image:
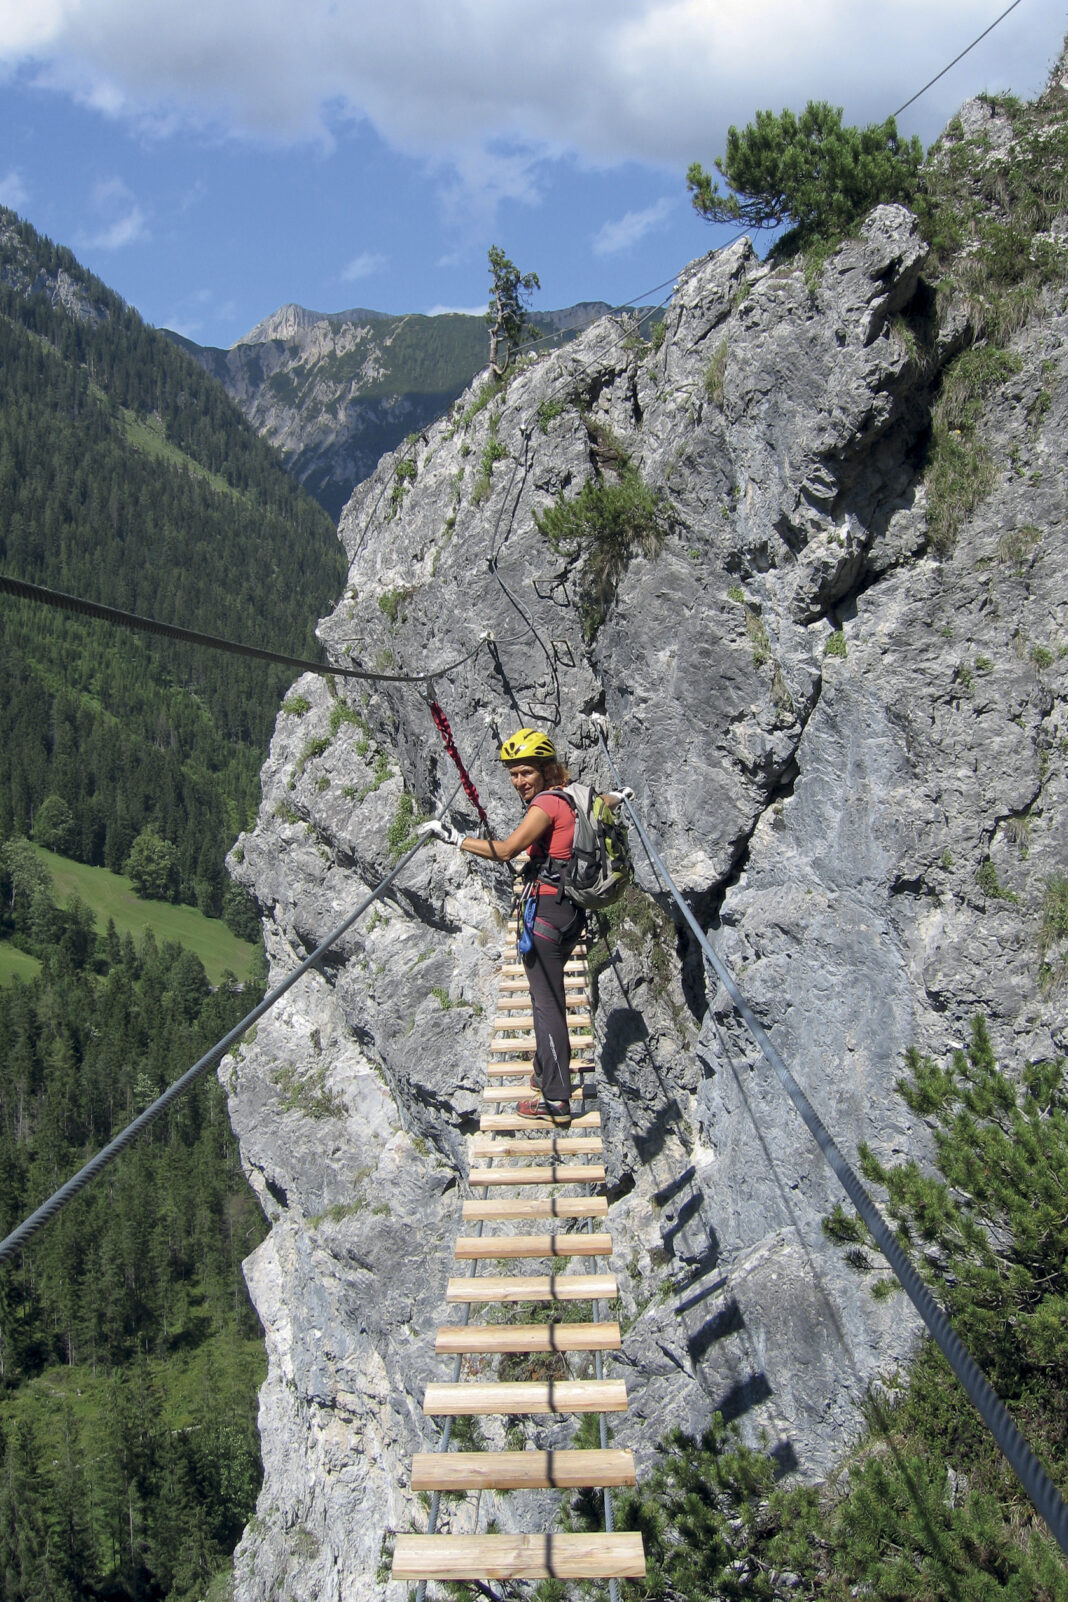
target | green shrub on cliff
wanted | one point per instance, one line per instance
(607, 523)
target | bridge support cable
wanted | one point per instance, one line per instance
(446, 1434)
(135, 623)
(1043, 1494)
(25, 1232)
(602, 1424)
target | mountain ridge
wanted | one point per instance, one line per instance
(333, 391)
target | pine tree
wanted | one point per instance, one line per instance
(809, 172)
(507, 314)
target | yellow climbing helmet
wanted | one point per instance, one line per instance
(527, 745)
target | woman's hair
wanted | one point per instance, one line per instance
(555, 773)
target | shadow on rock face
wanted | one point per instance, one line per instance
(628, 1063)
(741, 1397)
(727, 1320)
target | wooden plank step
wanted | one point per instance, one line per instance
(454, 1338)
(569, 1244)
(510, 1047)
(514, 986)
(515, 970)
(521, 1065)
(537, 1207)
(506, 1023)
(556, 1146)
(519, 1471)
(520, 1000)
(518, 1557)
(498, 1093)
(544, 1174)
(526, 1396)
(578, 948)
(512, 1120)
(532, 1288)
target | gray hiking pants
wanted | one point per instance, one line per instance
(558, 927)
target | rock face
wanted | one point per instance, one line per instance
(335, 391)
(58, 277)
(852, 754)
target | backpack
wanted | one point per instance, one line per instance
(599, 867)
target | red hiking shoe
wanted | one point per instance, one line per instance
(558, 1111)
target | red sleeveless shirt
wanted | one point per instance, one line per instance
(555, 844)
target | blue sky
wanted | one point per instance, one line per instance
(215, 160)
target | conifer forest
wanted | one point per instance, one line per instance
(129, 1353)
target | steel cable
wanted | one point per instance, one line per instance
(1043, 1494)
(171, 631)
(19, 1237)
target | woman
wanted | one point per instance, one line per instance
(545, 834)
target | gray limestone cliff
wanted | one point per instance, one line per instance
(851, 749)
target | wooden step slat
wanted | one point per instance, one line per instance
(574, 968)
(498, 1093)
(508, 987)
(560, 1145)
(512, 1122)
(521, 1065)
(454, 1338)
(532, 1288)
(544, 1174)
(525, 1020)
(519, 1000)
(572, 1244)
(526, 1396)
(537, 1207)
(518, 1557)
(510, 1047)
(519, 1471)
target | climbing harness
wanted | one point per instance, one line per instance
(1044, 1496)
(442, 724)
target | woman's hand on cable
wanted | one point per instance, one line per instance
(614, 797)
(444, 831)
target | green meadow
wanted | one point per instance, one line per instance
(111, 895)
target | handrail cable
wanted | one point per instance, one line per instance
(148, 625)
(1044, 1495)
(961, 57)
(47, 1211)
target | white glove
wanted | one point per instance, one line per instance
(614, 797)
(444, 831)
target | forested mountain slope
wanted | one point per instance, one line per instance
(129, 1353)
(335, 391)
(128, 477)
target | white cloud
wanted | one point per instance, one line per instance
(458, 311)
(13, 191)
(125, 230)
(120, 220)
(631, 228)
(365, 265)
(654, 81)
